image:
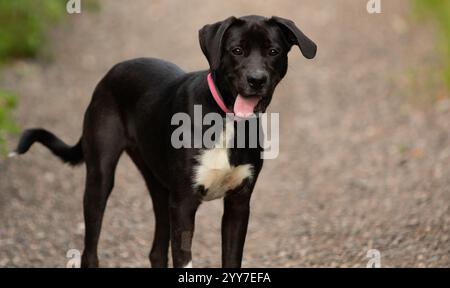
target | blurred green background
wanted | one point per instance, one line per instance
(23, 28)
(438, 11)
(23, 25)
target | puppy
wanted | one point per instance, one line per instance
(132, 111)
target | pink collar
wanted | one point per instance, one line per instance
(216, 95)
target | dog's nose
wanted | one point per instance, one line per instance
(257, 79)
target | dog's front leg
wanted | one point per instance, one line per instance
(234, 228)
(182, 222)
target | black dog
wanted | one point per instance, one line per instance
(131, 111)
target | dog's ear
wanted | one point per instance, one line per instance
(210, 37)
(296, 37)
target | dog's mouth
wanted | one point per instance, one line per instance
(247, 106)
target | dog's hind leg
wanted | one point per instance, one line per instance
(160, 199)
(103, 143)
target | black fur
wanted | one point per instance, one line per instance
(72, 155)
(131, 111)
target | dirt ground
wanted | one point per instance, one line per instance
(360, 167)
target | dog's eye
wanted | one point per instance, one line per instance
(273, 52)
(237, 51)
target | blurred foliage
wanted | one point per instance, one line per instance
(22, 34)
(8, 102)
(23, 26)
(439, 12)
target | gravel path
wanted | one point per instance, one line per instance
(361, 166)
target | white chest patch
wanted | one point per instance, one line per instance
(214, 171)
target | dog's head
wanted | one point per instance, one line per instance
(250, 55)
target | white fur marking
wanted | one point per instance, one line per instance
(12, 154)
(214, 171)
(189, 265)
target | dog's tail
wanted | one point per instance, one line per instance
(72, 155)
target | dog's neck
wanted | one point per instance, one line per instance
(224, 89)
(216, 95)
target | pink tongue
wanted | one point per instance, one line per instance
(244, 107)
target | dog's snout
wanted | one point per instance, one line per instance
(257, 79)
